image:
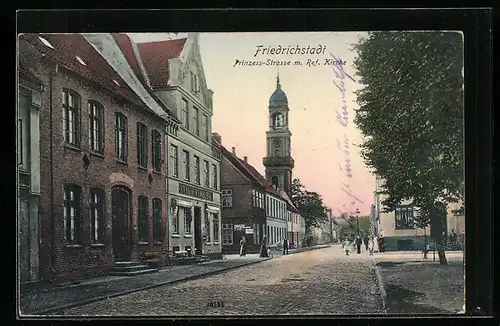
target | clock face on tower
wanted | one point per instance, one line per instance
(277, 142)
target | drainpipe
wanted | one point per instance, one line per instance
(167, 204)
(52, 72)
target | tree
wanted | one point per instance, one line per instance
(309, 204)
(411, 115)
(351, 225)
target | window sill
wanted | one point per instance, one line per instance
(97, 245)
(158, 243)
(188, 235)
(121, 162)
(142, 168)
(97, 154)
(72, 148)
(157, 172)
(215, 243)
(74, 246)
(208, 243)
(143, 243)
(176, 235)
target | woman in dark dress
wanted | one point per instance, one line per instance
(263, 248)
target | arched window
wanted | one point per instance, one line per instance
(71, 117)
(121, 136)
(72, 213)
(278, 121)
(274, 181)
(96, 127)
(156, 149)
(142, 145)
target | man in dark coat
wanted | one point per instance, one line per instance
(358, 244)
(285, 246)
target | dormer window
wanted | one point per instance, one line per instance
(81, 61)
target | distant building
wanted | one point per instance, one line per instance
(251, 207)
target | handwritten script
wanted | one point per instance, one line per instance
(339, 80)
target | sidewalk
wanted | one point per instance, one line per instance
(416, 285)
(51, 299)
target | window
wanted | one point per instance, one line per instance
(404, 217)
(121, 136)
(187, 220)
(157, 212)
(197, 170)
(196, 121)
(97, 215)
(156, 150)
(185, 162)
(71, 116)
(261, 200)
(204, 126)
(207, 227)
(96, 127)
(216, 228)
(254, 200)
(142, 145)
(142, 218)
(227, 234)
(214, 176)
(184, 114)
(194, 83)
(227, 198)
(207, 174)
(72, 218)
(174, 161)
(175, 221)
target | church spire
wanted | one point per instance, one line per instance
(278, 86)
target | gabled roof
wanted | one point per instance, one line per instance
(126, 45)
(70, 50)
(284, 195)
(250, 172)
(155, 56)
(29, 75)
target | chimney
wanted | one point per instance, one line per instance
(245, 159)
(233, 150)
(217, 137)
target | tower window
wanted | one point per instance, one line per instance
(277, 121)
(274, 181)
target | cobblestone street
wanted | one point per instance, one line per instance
(320, 282)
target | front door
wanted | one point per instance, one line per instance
(120, 211)
(198, 236)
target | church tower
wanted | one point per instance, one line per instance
(279, 162)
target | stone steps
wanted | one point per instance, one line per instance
(128, 268)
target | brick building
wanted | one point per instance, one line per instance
(102, 172)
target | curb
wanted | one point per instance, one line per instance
(113, 295)
(383, 294)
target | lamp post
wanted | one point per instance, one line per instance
(357, 221)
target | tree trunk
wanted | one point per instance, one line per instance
(441, 250)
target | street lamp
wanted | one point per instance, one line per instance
(357, 221)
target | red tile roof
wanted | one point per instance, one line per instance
(250, 172)
(66, 47)
(155, 56)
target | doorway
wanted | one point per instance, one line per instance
(198, 240)
(120, 215)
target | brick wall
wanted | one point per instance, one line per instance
(103, 172)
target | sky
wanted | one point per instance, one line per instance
(241, 100)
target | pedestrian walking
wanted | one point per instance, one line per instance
(370, 245)
(285, 246)
(347, 246)
(269, 252)
(375, 244)
(365, 240)
(243, 243)
(381, 244)
(358, 244)
(264, 250)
